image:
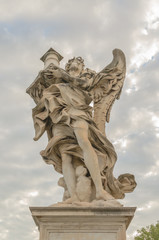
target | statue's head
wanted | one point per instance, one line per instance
(75, 65)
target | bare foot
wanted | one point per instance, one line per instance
(72, 199)
(103, 195)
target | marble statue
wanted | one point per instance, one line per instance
(78, 147)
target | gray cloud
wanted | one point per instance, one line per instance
(91, 29)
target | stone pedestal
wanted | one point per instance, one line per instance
(82, 223)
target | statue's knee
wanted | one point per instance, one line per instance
(66, 159)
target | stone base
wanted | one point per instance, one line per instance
(82, 223)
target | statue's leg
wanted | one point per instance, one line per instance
(69, 176)
(67, 166)
(90, 158)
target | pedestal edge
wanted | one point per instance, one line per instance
(50, 213)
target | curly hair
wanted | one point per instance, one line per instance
(80, 60)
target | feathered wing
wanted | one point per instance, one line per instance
(107, 88)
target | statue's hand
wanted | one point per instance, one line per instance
(57, 73)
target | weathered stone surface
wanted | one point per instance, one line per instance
(77, 146)
(82, 223)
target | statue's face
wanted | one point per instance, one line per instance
(76, 65)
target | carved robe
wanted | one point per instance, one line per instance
(61, 105)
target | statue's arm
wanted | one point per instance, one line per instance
(74, 81)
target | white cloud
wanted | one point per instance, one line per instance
(152, 17)
(155, 120)
(90, 29)
(144, 53)
(23, 202)
(33, 194)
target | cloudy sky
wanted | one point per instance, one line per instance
(91, 29)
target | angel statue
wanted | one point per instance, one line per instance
(77, 144)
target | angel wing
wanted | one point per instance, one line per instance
(107, 88)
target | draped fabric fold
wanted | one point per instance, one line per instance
(60, 107)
